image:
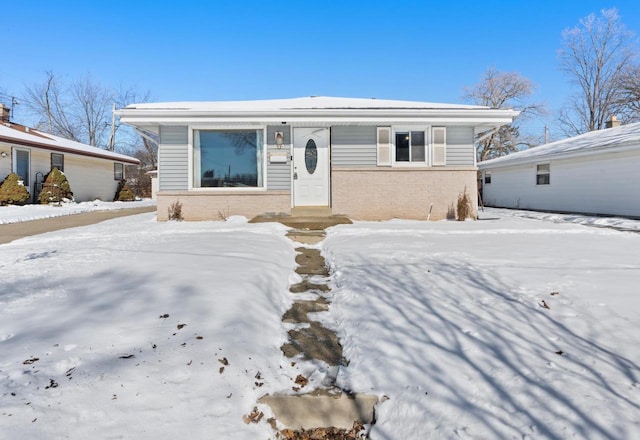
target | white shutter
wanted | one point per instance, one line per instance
(384, 146)
(439, 136)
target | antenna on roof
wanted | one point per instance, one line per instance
(14, 102)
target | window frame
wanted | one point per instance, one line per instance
(117, 165)
(487, 178)
(544, 174)
(402, 129)
(61, 167)
(208, 127)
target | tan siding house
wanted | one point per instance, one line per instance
(93, 173)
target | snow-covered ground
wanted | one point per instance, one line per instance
(16, 214)
(446, 319)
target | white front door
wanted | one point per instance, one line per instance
(311, 167)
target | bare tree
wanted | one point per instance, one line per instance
(629, 85)
(594, 56)
(503, 90)
(81, 111)
(48, 100)
(142, 145)
(91, 110)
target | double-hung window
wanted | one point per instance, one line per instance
(228, 158)
(543, 174)
(487, 177)
(57, 161)
(118, 171)
(410, 146)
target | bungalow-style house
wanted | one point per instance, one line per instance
(93, 173)
(594, 173)
(368, 159)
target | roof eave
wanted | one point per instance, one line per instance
(477, 117)
(629, 146)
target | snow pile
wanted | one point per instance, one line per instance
(137, 329)
(16, 214)
(504, 328)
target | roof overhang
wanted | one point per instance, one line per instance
(481, 118)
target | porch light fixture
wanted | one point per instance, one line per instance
(279, 139)
(3, 154)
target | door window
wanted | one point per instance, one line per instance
(311, 156)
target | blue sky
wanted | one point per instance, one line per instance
(232, 50)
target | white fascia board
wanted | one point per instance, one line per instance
(543, 158)
(486, 114)
(484, 121)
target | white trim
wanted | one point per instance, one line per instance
(223, 127)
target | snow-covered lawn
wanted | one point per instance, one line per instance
(449, 321)
(16, 214)
(446, 319)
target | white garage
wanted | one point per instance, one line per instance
(594, 173)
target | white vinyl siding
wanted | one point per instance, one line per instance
(353, 146)
(439, 146)
(173, 158)
(600, 184)
(384, 146)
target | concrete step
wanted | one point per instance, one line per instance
(306, 236)
(321, 409)
(304, 222)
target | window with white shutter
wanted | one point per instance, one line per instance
(384, 146)
(439, 146)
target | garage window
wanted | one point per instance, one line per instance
(543, 174)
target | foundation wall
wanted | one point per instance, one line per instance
(375, 194)
(220, 205)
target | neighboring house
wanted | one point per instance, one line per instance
(594, 173)
(366, 158)
(93, 173)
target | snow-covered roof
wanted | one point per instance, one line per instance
(19, 135)
(322, 110)
(594, 142)
(303, 103)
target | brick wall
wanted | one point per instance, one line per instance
(218, 205)
(375, 194)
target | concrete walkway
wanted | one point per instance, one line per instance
(14, 231)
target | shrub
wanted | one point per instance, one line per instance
(55, 188)
(13, 191)
(124, 193)
(175, 211)
(464, 209)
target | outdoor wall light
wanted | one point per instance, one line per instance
(3, 154)
(279, 139)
